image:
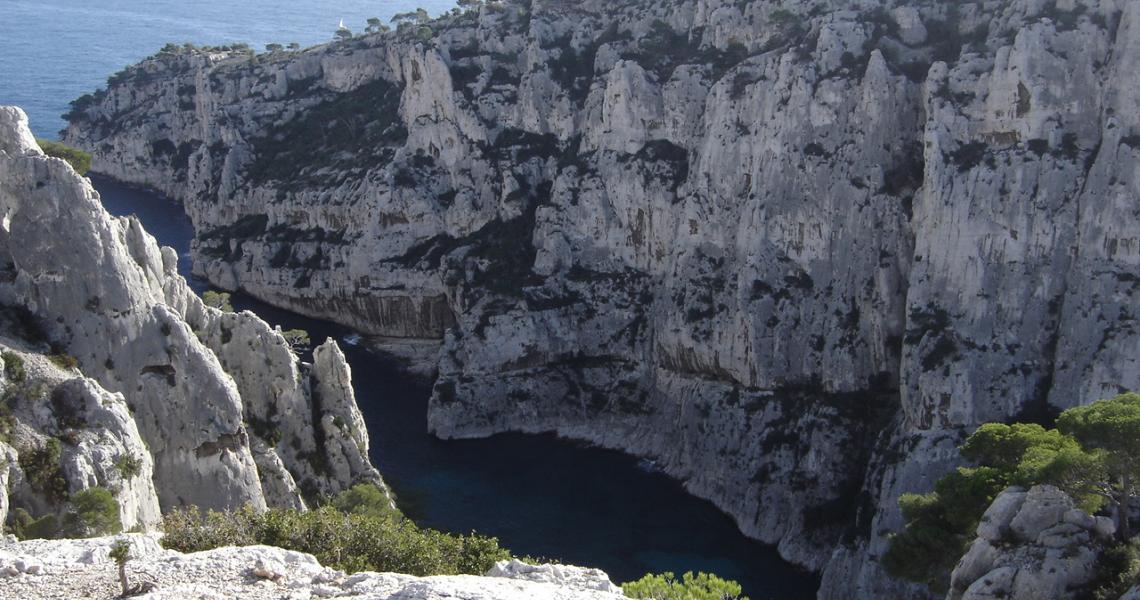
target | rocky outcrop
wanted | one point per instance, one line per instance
(1031, 544)
(101, 444)
(215, 408)
(81, 568)
(792, 253)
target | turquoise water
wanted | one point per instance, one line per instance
(53, 51)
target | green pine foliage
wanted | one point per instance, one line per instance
(128, 465)
(364, 499)
(700, 586)
(297, 339)
(94, 512)
(14, 367)
(218, 300)
(1093, 455)
(78, 159)
(358, 531)
(44, 470)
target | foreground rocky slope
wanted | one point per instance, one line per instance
(81, 568)
(790, 251)
(147, 392)
(1031, 544)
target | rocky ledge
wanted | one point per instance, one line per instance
(39, 569)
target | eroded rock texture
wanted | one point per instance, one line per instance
(792, 251)
(1031, 544)
(216, 408)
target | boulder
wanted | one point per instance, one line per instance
(1044, 507)
(996, 584)
(562, 575)
(995, 522)
(1050, 550)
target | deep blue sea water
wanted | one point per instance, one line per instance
(541, 496)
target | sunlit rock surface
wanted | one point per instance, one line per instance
(791, 252)
(216, 408)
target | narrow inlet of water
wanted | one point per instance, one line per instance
(540, 495)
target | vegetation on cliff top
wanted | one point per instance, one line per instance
(701, 586)
(357, 531)
(218, 300)
(78, 159)
(1093, 455)
(92, 512)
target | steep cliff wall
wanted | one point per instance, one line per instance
(224, 414)
(791, 251)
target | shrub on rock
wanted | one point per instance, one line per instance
(701, 586)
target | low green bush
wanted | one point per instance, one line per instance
(218, 300)
(364, 499)
(64, 361)
(14, 367)
(94, 512)
(297, 339)
(1117, 570)
(363, 541)
(129, 466)
(7, 423)
(43, 469)
(78, 159)
(25, 527)
(701, 586)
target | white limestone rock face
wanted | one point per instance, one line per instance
(342, 427)
(15, 139)
(562, 575)
(8, 458)
(108, 445)
(290, 406)
(1049, 549)
(195, 380)
(69, 568)
(995, 522)
(792, 253)
(100, 447)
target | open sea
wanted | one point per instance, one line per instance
(540, 495)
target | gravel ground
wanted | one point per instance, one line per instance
(82, 569)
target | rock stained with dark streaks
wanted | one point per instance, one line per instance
(792, 253)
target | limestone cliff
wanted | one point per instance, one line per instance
(210, 409)
(792, 251)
